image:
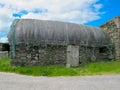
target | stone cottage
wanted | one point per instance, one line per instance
(42, 42)
(112, 27)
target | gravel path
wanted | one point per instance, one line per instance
(10, 81)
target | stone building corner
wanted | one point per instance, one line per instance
(112, 27)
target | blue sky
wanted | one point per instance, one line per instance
(87, 12)
(111, 9)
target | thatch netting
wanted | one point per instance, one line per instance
(54, 32)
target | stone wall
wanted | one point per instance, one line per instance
(93, 54)
(112, 27)
(33, 55)
(80, 55)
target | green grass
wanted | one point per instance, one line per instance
(98, 68)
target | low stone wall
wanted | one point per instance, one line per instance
(3, 54)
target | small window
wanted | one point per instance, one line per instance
(102, 50)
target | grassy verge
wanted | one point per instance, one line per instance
(98, 68)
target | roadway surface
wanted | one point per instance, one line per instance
(10, 81)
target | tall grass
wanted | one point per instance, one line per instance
(98, 68)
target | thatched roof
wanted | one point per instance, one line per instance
(54, 32)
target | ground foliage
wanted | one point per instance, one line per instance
(97, 68)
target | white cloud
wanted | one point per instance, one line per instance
(5, 19)
(77, 11)
(71, 10)
(3, 40)
(57, 9)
